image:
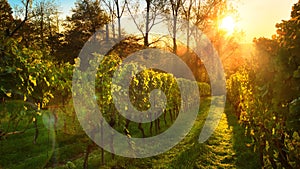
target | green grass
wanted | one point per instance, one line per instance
(19, 151)
(226, 148)
(245, 157)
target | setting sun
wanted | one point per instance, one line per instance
(228, 24)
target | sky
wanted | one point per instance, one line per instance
(257, 18)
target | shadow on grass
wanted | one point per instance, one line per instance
(245, 157)
(226, 148)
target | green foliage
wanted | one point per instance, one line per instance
(28, 76)
(33, 76)
(87, 18)
(266, 96)
(204, 89)
(140, 88)
(5, 17)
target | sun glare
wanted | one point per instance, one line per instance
(228, 24)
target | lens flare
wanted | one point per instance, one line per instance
(228, 24)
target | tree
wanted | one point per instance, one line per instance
(28, 78)
(45, 21)
(153, 16)
(175, 8)
(118, 13)
(289, 40)
(186, 12)
(26, 14)
(6, 18)
(87, 18)
(200, 14)
(111, 11)
(288, 65)
(266, 95)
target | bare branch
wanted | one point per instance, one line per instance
(24, 20)
(135, 22)
(123, 8)
(159, 39)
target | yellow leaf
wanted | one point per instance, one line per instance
(39, 106)
(48, 84)
(19, 39)
(32, 80)
(8, 94)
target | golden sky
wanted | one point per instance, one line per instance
(259, 17)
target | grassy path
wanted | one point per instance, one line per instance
(217, 152)
(226, 148)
